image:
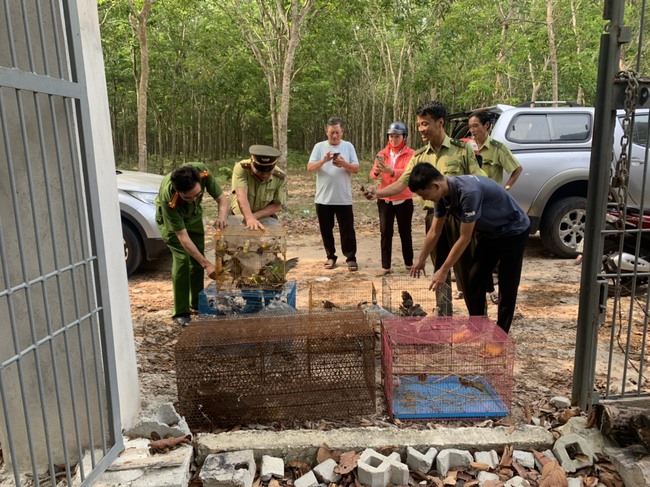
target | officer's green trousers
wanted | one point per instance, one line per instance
(187, 273)
(439, 254)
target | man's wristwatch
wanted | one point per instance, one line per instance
(507, 187)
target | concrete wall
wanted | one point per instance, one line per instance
(58, 376)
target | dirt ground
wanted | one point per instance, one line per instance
(544, 328)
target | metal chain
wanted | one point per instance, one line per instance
(622, 169)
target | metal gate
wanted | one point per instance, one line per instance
(611, 352)
(59, 413)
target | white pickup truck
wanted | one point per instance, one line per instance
(553, 145)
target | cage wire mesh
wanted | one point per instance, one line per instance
(251, 258)
(446, 367)
(273, 367)
(410, 296)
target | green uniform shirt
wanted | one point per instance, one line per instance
(497, 159)
(260, 193)
(455, 158)
(173, 214)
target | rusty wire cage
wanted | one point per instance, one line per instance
(409, 296)
(301, 366)
(446, 367)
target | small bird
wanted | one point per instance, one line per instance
(407, 299)
(417, 311)
(465, 382)
(329, 305)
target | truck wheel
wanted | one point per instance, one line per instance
(132, 249)
(563, 226)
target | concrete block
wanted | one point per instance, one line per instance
(524, 458)
(578, 444)
(420, 462)
(484, 477)
(307, 480)
(232, 469)
(488, 457)
(546, 453)
(574, 482)
(377, 470)
(561, 402)
(517, 482)
(450, 458)
(632, 463)
(271, 467)
(165, 422)
(594, 437)
(325, 471)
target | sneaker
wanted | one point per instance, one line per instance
(182, 320)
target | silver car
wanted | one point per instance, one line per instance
(553, 145)
(142, 239)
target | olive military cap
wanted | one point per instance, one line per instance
(264, 157)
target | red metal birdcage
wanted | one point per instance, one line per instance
(446, 367)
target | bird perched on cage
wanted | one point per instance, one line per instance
(329, 305)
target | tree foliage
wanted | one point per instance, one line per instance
(367, 61)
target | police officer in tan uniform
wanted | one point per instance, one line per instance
(259, 187)
(452, 158)
(179, 217)
(496, 157)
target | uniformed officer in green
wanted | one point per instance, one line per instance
(180, 220)
(496, 156)
(452, 158)
(259, 187)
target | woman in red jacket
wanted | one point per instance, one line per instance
(389, 166)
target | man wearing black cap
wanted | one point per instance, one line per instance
(260, 187)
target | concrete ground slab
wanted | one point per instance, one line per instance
(136, 467)
(303, 444)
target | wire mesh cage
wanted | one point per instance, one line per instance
(409, 296)
(251, 258)
(275, 368)
(446, 367)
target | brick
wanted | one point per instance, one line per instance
(325, 471)
(377, 470)
(488, 457)
(271, 467)
(450, 458)
(420, 462)
(232, 469)
(577, 443)
(547, 454)
(524, 458)
(307, 480)
(484, 477)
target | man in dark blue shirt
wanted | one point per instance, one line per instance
(501, 227)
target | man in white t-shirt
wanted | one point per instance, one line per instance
(334, 161)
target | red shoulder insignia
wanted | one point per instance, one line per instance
(204, 174)
(174, 201)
